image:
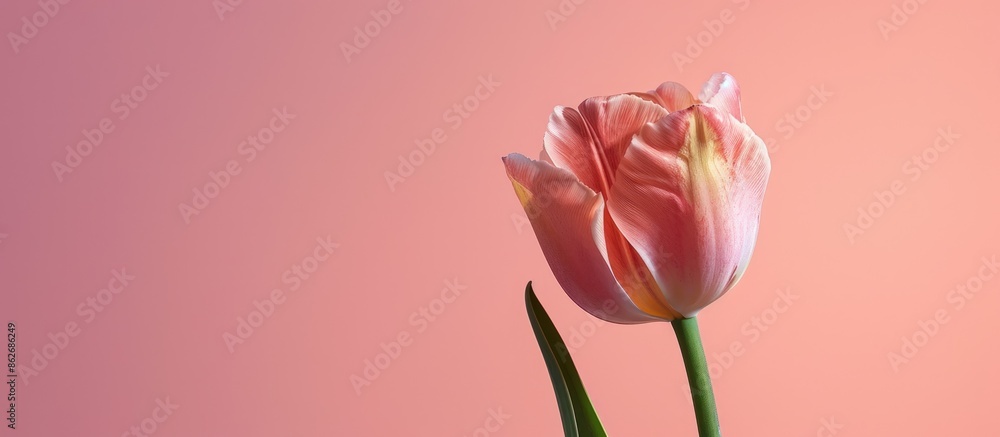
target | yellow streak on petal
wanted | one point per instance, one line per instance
(706, 161)
(641, 287)
(522, 193)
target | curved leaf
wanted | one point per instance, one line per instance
(578, 415)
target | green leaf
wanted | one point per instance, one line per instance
(578, 415)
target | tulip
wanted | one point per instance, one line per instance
(650, 201)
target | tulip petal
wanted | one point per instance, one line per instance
(568, 220)
(632, 273)
(723, 92)
(590, 142)
(674, 96)
(688, 198)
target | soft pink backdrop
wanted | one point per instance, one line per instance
(825, 358)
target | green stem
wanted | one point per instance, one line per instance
(698, 377)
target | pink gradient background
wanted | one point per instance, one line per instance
(324, 175)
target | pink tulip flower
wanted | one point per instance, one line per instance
(650, 201)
